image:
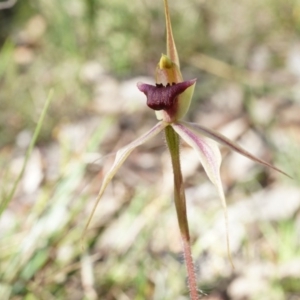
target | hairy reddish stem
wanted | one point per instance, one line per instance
(190, 268)
(173, 143)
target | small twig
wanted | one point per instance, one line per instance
(7, 4)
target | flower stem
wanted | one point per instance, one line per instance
(173, 143)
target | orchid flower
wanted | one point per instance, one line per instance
(170, 98)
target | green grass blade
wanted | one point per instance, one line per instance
(37, 130)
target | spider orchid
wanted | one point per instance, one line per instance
(170, 98)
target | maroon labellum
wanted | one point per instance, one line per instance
(161, 97)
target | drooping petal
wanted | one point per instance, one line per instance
(121, 156)
(227, 142)
(210, 158)
(207, 150)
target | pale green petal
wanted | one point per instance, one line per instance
(184, 101)
(227, 142)
(210, 158)
(121, 156)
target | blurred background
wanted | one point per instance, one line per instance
(246, 56)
